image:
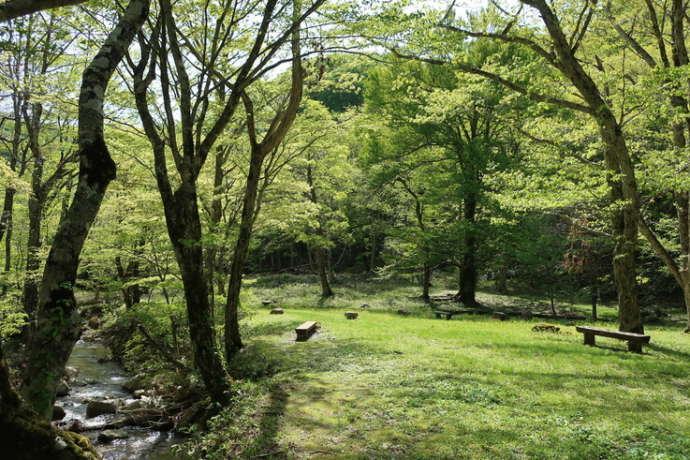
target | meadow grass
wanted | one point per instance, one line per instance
(416, 387)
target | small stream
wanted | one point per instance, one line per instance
(101, 380)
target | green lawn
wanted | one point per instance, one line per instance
(387, 386)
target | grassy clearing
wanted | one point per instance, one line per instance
(386, 386)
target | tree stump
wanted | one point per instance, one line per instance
(546, 327)
(277, 311)
(351, 314)
(404, 312)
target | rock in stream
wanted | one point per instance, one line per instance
(102, 386)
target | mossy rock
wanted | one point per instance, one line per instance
(166, 382)
(79, 445)
(138, 382)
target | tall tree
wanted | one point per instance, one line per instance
(58, 323)
(660, 45)
(558, 45)
(260, 148)
(445, 133)
(191, 115)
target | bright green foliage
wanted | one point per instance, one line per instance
(441, 135)
(325, 173)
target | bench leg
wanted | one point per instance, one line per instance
(438, 316)
(449, 317)
(589, 338)
(635, 347)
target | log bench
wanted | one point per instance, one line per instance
(446, 314)
(634, 340)
(305, 330)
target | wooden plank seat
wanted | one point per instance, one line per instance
(305, 330)
(634, 340)
(445, 313)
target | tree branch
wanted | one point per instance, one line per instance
(15, 8)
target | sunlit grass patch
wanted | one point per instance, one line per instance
(391, 386)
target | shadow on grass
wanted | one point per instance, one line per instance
(270, 328)
(265, 444)
(668, 351)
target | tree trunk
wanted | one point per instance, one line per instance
(275, 134)
(215, 216)
(426, 282)
(373, 238)
(7, 207)
(595, 300)
(621, 172)
(624, 222)
(233, 340)
(30, 294)
(26, 436)
(468, 269)
(58, 324)
(184, 229)
(320, 256)
(130, 294)
(8, 242)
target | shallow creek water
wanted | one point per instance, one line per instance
(102, 381)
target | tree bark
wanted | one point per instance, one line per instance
(184, 229)
(7, 208)
(33, 246)
(468, 269)
(233, 340)
(686, 297)
(24, 435)
(12, 9)
(426, 282)
(130, 294)
(7, 216)
(321, 258)
(58, 324)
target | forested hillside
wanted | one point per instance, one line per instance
(443, 199)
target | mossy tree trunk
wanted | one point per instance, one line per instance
(58, 323)
(24, 435)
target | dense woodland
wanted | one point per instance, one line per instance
(172, 170)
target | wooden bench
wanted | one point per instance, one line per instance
(447, 314)
(305, 330)
(634, 340)
(351, 314)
